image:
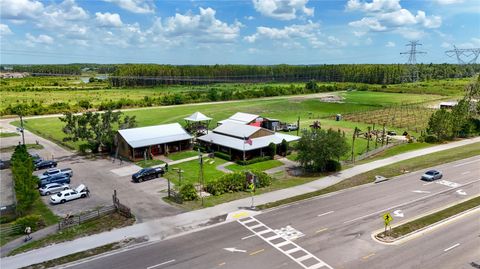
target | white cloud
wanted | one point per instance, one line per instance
(40, 39)
(473, 43)
(249, 18)
(57, 16)
(448, 2)
(202, 27)
(374, 6)
(108, 19)
(409, 33)
(288, 32)
(5, 30)
(135, 6)
(390, 44)
(283, 9)
(446, 45)
(384, 15)
(20, 10)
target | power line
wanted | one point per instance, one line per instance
(412, 70)
(460, 54)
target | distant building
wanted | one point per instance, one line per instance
(241, 140)
(254, 120)
(138, 143)
(448, 105)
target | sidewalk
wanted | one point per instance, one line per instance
(20, 241)
(161, 228)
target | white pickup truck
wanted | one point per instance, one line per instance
(55, 171)
(68, 195)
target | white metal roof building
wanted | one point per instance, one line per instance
(240, 118)
(240, 145)
(159, 139)
(197, 116)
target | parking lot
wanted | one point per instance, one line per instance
(101, 176)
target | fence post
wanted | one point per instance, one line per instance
(79, 220)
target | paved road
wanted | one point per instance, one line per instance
(333, 231)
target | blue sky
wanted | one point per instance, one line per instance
(234, 31)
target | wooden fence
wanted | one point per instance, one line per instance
(11, 229)
(76, 220)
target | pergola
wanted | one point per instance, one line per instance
(197, 123)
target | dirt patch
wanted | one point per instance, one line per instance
(332, 99)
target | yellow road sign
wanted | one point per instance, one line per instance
(387, 218)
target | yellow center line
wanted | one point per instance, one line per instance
(222, 264)
(321, 230)
(256, 252)
(368, 256)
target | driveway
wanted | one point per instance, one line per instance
(102, 176)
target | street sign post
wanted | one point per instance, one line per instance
(387, 218)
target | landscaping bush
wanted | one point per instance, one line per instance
(272, 150)
(431, 139)
(33, 221)
(333, 166)
(254, 160)
(222, 155)
(188, 192)
(236, 182)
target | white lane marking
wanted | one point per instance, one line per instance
(448, 183)
(398, 213)
(246, 237)
(418, 191)
(462, 164)
(454, 246)
(163, 263)
(234, 250)
(323, 214)
(466, 172)
(425, 184)
(461, 192)
(319, 263)
(406, 203)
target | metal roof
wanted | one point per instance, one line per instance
(154, 135)
(197, 116)
(236, 129)
(240, 117)
(239, 144)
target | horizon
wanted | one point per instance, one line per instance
(236, 32)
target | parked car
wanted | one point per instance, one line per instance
(68, 195)
(45, 164)
(55, 171)
(392, 133)
(4, 164)
(432, 175)
(290, 127)
(147, 173)
(52, 188)
(58, 178)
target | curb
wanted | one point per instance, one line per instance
(422, 230)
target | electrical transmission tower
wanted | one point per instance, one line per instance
(412, 72)
(471, 54)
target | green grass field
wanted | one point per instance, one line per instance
(261, 166)
(286, 109)
(192, 171)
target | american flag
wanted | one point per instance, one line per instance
(247, 140)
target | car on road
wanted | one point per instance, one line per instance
(45, 164)
(290, 127)
(52, 188)
(147, 173)
(58, 178)
(431, 175)
(56, 171)
(68, 195)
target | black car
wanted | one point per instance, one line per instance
(45, 164)
(147, 173)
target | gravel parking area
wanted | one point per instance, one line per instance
(6, 187)
(101, 177)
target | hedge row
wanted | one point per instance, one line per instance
(254, 160)
(236, 182)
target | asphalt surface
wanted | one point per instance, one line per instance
(332, 231)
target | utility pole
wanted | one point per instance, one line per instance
(368, 139)
(200, 160)
(298, 125)
(353, 144)
(412, 60)
(471, 54)
(22, 130)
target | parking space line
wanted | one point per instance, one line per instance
(256, 252)
(321, 230)
(452, 247)
(246, 237)
(296, 248)
(368, 256)
(329, 212)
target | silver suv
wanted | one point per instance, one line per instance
(53, 188)
(432, 175)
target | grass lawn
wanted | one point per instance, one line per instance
(105, 223)
(402, 148)
(3, 134)
(29, 146)
(425, 221)
(149, 163)
(182, 155)
(192, 171)
(389, 171)
(260, 166)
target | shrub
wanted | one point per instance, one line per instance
(188, 192)
(333, 166)
(263, 178)
(236, 182)
(222, 155)
(431, 139)
(254, 160)
(272, 150)
(33, 221)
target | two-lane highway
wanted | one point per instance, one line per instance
(333, 231)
